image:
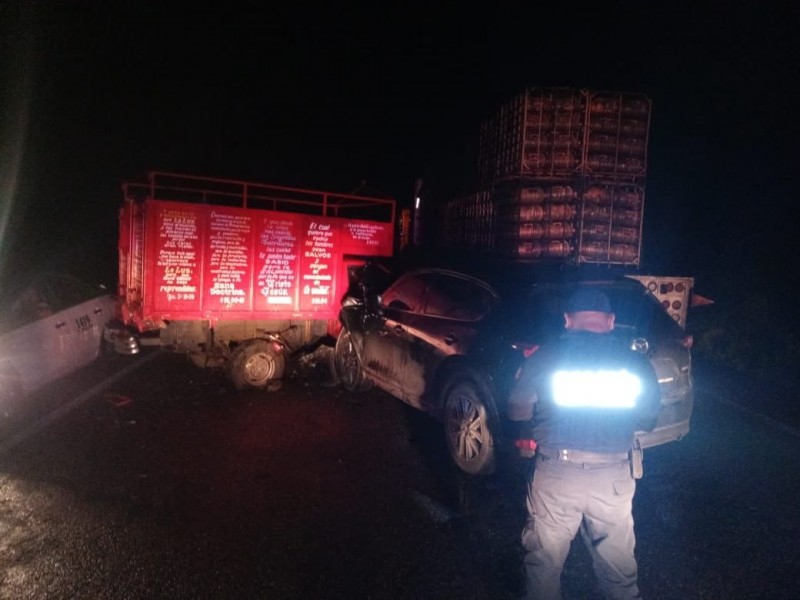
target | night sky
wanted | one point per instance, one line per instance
(94, 94)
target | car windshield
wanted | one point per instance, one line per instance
(641, 312)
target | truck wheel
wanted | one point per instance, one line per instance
(255, 364)
(468, 425)
(347, 365)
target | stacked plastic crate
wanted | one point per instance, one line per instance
(562, 178)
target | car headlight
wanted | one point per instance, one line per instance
(596, 389)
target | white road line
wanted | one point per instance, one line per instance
(72, 404)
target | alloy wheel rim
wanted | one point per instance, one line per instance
(465, 426)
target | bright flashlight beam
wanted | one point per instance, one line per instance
(596, 389)
(14, 126)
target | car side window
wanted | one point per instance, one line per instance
(407, 293)
(457, 297)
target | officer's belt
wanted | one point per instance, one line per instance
(582, 456)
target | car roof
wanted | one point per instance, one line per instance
(507, 278)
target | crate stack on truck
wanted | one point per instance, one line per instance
(562, 178)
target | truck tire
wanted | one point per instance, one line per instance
(256, 364)
(347, 365)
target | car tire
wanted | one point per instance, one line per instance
(256, 365)
(347, 364)
(469, 421)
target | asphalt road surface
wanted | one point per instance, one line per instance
(146, 477)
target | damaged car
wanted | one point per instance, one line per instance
(449, 343)
(50, 326)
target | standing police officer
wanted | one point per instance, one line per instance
(585, 395)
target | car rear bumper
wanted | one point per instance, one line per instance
(673, 422)
(663, 435)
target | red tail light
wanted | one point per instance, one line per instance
(525, 444)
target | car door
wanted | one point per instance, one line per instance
(66, 349)
(21, 350)
(86, 312)
(36, 350)
(445, 327)
(385, 342)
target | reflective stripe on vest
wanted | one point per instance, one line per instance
(596, 389)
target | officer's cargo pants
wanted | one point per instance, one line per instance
(598, 500)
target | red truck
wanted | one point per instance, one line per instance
(238, 274)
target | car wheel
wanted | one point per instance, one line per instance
(469, 423)
(256, 364)
(347, 364)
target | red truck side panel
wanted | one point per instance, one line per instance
(220, 262)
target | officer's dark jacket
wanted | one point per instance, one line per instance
(591, 429)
